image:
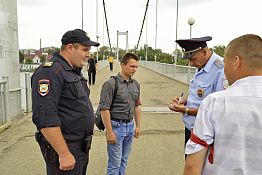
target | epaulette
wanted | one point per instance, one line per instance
(48, 64)
(219, 63)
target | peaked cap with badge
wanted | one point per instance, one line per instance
(78, 36)
(191, 46)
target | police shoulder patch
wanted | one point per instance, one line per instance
(219, 63)
(43, 87)
(48, 64)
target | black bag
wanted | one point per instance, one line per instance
(98, 119)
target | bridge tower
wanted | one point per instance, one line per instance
(117, 48)
(9, 59)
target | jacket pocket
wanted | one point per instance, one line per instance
(73, 88)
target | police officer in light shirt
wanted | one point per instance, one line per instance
(208, 78)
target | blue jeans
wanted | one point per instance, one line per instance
(118, 153)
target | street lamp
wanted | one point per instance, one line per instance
(82, 8)
(156, 29)
(97, 36)
(191, 21)
(175, 59)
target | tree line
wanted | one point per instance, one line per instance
(144, 53)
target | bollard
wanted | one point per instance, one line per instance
(28, 92)
(6, 100)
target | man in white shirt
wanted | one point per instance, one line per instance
(226, 137)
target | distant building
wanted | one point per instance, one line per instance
(36, 56)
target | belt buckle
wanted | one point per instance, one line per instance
(127, 120)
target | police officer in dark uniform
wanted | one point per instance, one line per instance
(92, 64)
(62, 111)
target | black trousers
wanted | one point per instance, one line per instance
(187, 136)
(111, 66)
(52, 163)
(91, 76)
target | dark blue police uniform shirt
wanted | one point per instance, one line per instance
(60, 97)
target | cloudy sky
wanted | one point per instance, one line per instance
(221, 19)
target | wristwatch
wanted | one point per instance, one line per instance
(186, 111)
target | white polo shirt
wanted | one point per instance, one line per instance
(232, 119)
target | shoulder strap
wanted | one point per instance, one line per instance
(115, 91)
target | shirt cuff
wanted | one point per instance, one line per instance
(104, 106)
(192, 147)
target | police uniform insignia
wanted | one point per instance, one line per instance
(219, 63)
(48, 64)
(200, 92)
(43, 87)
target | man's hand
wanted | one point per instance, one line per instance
(110, 137)
(66, 162)
(137, 132)
(177, 105)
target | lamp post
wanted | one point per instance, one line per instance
(97, 36)
(190, 21)
(156, 29)
(82, 13)
(175, 59)
(146, 45)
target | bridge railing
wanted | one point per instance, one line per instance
(4, 102)
(180, 73)
(102, 64)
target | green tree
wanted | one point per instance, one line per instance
(28, 61)
(42, 58)
(51, 51)
(220, 50)
(21, 57)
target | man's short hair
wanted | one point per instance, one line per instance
(248, 47)
(127, 57)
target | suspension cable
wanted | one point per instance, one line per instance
(142, 24)
(107, 28)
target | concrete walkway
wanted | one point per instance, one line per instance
(158, 151)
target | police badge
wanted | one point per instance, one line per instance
(43, 87)
(200, 92)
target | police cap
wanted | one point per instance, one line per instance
(78, 36)
(191, 46)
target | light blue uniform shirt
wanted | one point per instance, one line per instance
(209, 79)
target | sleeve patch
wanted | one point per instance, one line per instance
(43, 87)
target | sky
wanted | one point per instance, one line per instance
(224, 20)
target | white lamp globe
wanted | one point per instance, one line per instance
(191, 21)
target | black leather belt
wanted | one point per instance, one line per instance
(122, 120)
(74, 142)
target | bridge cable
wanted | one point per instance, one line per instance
(142, 24)
(107, 27)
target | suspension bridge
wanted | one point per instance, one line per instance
(159, 150)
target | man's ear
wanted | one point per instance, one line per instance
(70, 47)
(237, 63)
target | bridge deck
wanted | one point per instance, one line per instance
(159, 150)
